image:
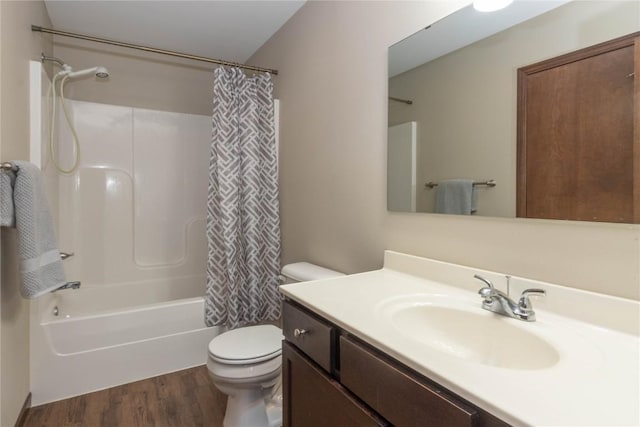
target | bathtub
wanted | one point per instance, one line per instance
(98, 337)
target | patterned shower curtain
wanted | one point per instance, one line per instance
(243, 224)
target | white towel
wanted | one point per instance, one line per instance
(7, 214)
(456, 196)
(40, 263)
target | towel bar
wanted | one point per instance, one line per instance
(8, 167)
(488, 183)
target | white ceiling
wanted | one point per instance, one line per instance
(460, 29)
(231, 30)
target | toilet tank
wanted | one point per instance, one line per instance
(305, 271)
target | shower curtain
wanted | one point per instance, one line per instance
(243, 223)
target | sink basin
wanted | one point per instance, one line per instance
(474, 335)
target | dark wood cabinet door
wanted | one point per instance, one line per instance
(576, 141)
(401, 398)
(313, 399)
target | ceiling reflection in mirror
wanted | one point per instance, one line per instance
(453, 98)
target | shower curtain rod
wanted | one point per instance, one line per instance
(404, 101)
(151, 49)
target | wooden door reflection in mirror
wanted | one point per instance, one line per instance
(572, 164)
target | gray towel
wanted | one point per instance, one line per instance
(40, 263)
(7, 215)
(456, 196)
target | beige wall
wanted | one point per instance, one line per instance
(137, 79)
(477, 85)
(18, 46)
(332, 58)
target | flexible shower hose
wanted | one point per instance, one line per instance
(76, 143)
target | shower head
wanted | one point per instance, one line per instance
(99, 72)
(102, 72)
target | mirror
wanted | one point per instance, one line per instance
(453, 95)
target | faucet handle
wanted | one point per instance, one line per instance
(487, 292)
(524, 302)
(482, 279)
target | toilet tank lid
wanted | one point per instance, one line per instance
(305, 271)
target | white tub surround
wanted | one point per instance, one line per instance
(133, 215)
(576, 365)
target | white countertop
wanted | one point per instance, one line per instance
(595, 382)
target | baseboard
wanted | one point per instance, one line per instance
(23, 412)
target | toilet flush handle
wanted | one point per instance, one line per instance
(299, 332)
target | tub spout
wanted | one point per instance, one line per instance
(68, 285)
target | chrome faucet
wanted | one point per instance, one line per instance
(68, 285)
(499, 302)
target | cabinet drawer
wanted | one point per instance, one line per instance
(311, 335)
(396, 395)
(313, 399)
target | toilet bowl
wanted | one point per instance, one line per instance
(245, 363)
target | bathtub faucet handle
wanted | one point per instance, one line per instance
(65, 255)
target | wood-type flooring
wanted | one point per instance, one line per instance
(181, 399)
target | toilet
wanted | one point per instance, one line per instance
(245, 363)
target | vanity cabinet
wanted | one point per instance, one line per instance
(313, 398)
(331, 378)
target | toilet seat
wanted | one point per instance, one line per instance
(248, 345)
(245, 374)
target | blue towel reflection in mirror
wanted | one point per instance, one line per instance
(456, 196)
